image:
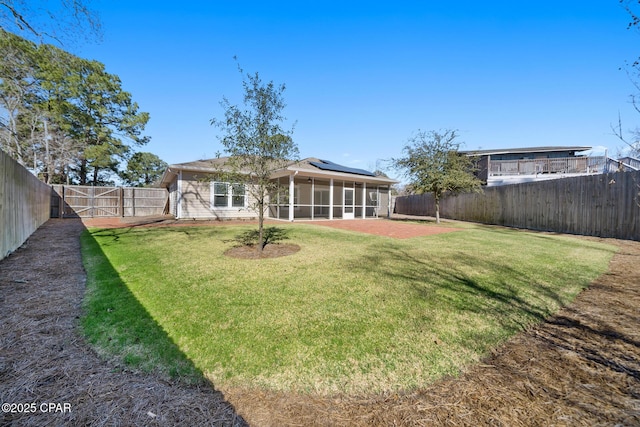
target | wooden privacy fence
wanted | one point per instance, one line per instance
(24, 204)
(72, 201)
(604, 205)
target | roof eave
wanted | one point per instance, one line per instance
(330, 174)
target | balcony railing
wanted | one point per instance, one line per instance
(572, 165)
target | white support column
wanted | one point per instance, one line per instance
(331, 198)
(179, 196)
(291, 196)
(313, 197)
(364, 200)
(278, 199)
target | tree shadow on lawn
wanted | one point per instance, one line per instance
(451, 285)
(503, 301)
(116, 233)
(270, 235)
(115, 322)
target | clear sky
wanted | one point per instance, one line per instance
(363, 76)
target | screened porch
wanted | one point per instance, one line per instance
(318, 198)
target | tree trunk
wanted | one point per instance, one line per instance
(260, 226)
(83, 172)
(437, 200)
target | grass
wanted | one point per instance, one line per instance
(349, 313)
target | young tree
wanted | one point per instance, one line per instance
(254, 139)
(143, 169)
(433, 165)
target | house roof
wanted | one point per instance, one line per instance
(317, 168)
(525, 150)
(311, 167)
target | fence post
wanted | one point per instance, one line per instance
(122, 202)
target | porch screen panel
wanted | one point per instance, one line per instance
(279, 200)
(372, 197)
(303, 192)
(358, 200)
(383, 200)
(338, 187)
(321, 199)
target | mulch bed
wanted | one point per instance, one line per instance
(580, 367)
(43, 358)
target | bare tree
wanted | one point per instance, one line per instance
(58, 19)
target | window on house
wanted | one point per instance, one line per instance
(237, 195)
(227, 195)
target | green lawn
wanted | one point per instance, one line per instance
(349, 312)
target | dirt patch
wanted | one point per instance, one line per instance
(580, 367)
(273, 250)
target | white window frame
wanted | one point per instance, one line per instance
(229, 194)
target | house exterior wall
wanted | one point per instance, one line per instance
(301, 195)
(192, 198)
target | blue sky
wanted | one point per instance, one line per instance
(362, 77)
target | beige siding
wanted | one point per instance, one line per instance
(195, 200)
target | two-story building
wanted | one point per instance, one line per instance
(515, 165)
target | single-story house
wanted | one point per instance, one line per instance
(321, 190)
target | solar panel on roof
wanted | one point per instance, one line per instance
(334, 167)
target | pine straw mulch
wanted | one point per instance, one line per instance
(580, 367)
(44, 359)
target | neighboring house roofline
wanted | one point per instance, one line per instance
(545, 149)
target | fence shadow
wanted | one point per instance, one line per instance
(115, 321)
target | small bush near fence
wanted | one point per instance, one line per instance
(603, 205)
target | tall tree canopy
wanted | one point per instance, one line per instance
(433, 165)
(254, 139)
(64, 117)
(143, 169)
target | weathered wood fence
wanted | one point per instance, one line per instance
(24, 204)
(72, 201)
(604, 205)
